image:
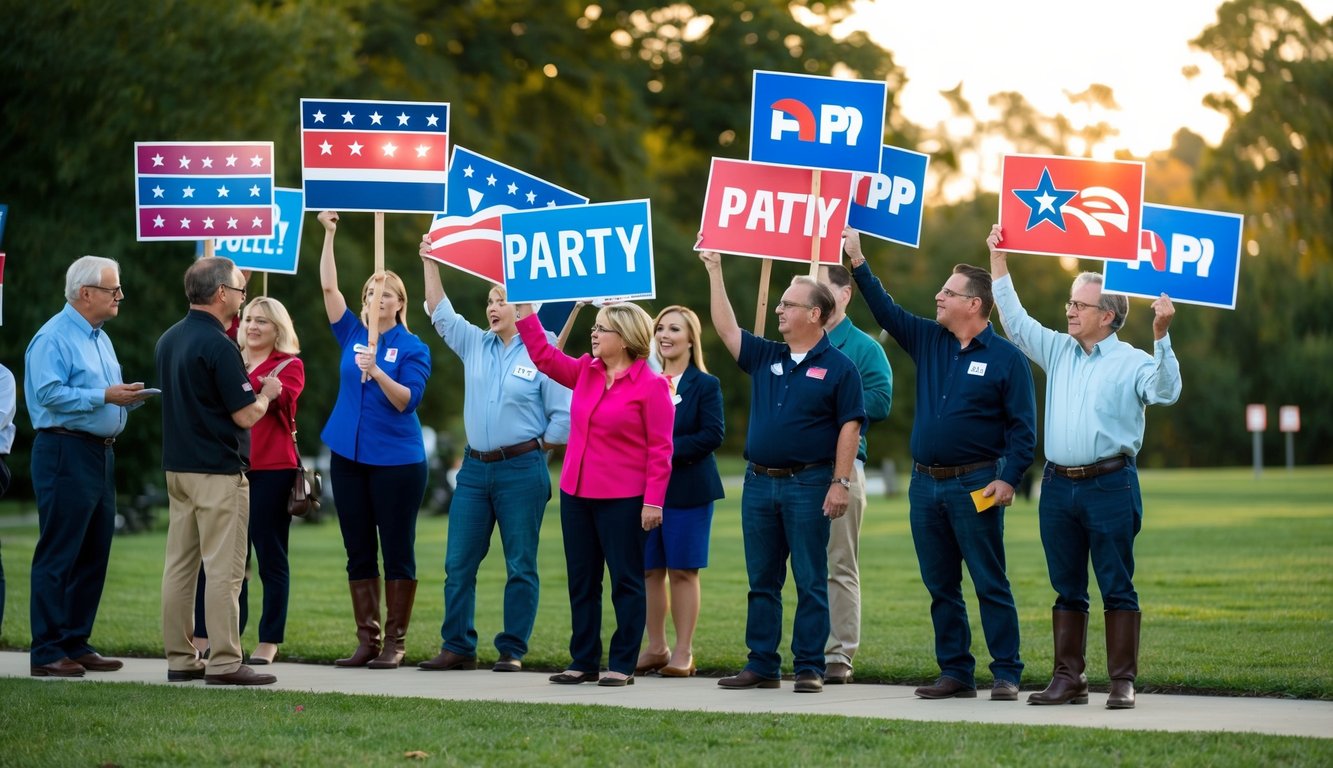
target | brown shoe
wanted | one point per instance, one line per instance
(1122, 656)
(507, 663)
(651, 662)
(947, 688)
(366, 609)
(1003, 690)
(447, 660)
(686, 671)
(399, 595)
(63, 667)
(1069, 685)
(837, 673)
(809, 682)
(96, 662)
(749, 679)
(242, 676)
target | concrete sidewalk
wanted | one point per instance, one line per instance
(1155, 712)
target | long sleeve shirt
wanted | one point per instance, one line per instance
(67, 369)
(873, 365)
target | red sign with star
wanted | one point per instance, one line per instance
(1069, 206)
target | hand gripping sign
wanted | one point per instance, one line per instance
(1193, 256)
(1068, 206)
(596, 251)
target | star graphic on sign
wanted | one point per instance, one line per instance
(157, 191)
(208, 223)
(223, 191)
(532, 197)
(231, 161)
(402, 118)
(490, 180)
(254, 191)
(157, 160)
(185, 162)
(258, 222)
(513, 188)
(187, 192)
(158, 221)
(231, 223)
(185, 223)
(319, 116)
(422, 149)
(208, 162)
(355, 147)
(326, 148)
(375, 118)
(467, 172)
(389, 149)
(347, 116)
(1045, 201)
(257, 161)
(432, 121)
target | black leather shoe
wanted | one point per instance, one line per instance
(947, 688)
(809, 682)
(63, 667)
(447, 660)
(184, 675)
(837, 673)
(1003, 690)
(242, 676)
(748, 679)
(96, 662)
(507, 663)
(573, 677)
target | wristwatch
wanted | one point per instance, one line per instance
(845, 482)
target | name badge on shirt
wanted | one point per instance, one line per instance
(391, 355)
(675, 399)
(776, 368)
(976, 369)
(816, 373)
(525, 373)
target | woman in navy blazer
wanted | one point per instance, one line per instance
(677, 549)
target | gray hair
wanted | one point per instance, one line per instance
(1117, 303)
(820, 295)
(86, 270)
(205, 276)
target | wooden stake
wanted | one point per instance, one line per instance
(376, 287)
(761, 303)
(208, 248)
(265, 285)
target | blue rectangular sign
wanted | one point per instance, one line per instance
(597, 251)
(4, 215)
(811, 121)
(269, 254)
(1193, 256)
(889, 204)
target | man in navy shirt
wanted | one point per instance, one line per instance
(972, 439)
(806, 418)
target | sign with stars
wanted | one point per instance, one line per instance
(1069, 206)
(201, 189)
(389, 156)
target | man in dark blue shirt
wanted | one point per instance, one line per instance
(973, 437)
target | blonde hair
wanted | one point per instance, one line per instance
(394, 284)
(281, 319)
(633, 325)
(693, 330)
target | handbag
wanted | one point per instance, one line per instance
(303, 498)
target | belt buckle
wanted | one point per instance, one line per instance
(1078, 473)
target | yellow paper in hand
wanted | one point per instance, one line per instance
(982, 503)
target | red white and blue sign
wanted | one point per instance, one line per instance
(770, 212)
(812, 121)
(596, 251)
(889, 204)
(1193, 256)
(277, 254)
(467, 236)
(389, 156)
(1068, 206)
(199, 189)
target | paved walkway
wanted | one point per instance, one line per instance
(1155, 712)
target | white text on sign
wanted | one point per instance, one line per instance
(567, 257)
(792, 115)
(895, 189)
(1184, 250)
(770, 215)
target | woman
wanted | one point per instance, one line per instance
(613, 482)
(378, 463)
(679, 548)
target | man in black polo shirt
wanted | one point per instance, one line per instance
(208, 407)
(973, 437)
(806, 419)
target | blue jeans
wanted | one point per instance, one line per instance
(1100, 517)
(513, 494)
(948, 531)
(783, 517)
(597, 533)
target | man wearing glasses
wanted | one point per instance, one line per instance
(208, 407)
(1097, 388)
(78, 405)
(973, 437)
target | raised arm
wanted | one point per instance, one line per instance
(431, 275)
(999, 260)
(724, 318)
(334, 303)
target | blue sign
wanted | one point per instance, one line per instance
(1190, 255)
(268, 254)
(4, 214)
(889, 204)
(817, 122)
(597, 251)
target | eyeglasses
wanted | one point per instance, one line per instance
(597, 328)
(116, 291)
(1079, 306)
(785, 305)
(242, 290)
(956, 295)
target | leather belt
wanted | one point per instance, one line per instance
(507, 452)
(948, 473)
(760, 469)
(81, 435)
(1087, 471)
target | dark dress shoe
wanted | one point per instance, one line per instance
(1003, 690)
(64, 667)
(507, 663)
(96, 662)
(574, 678)
(809, 682)
(947, 688)
(184, 675)
(749, 679)
(447, 660)
(837, 673)
(242, 676)
(615, 682)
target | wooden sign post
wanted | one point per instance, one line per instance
(376, 288)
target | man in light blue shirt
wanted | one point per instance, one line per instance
(1097, 388)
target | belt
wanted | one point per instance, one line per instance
(507, 452)
(1087, 471)
(76, 433)
(948, 473)
(760, 469)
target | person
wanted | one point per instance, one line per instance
(8, 406)
(378, 462)
(806, 418)
(78, 404)
(1097, 388)
(613, 482)
(511, 413)
(844, 578)
(678, 548)
(208, 407)
(973, 437)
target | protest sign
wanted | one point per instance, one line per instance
(813, 121)
(596, 251)
(889, 204)
(202, 190)
(278, 253)
(1067, 206)
(1191, 255)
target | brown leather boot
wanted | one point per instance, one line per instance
(1122, 656)
(366, 609)
(399, 594)
(1068, 683)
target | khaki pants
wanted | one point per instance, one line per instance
(844, 576)
(209, 523)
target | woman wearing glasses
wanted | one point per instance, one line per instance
(378, 463)
(613, 482)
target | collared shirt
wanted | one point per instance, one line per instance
(973, 404)
(797, 409)
(506, 400)
(67, 369)
(8, 405)
(873, 365)
(1094, 401)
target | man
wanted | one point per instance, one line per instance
(844, 580)
(973, 438)
(208, 407)
(78, 404)
(806, 418)
(1096, 390)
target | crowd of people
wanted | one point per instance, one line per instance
(639, 419)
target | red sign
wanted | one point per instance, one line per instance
(1256, 417)
(1066, 206)
(771, 211)
(1289, 418)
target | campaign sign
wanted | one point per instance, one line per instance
(202, 189)
(769, 211)
(4, 215)
(268, 254)
(1069, 206)
(1190, 255)
(889, 204)
(597, 251)
(812, 121)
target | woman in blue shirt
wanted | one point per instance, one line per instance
(378, 463)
